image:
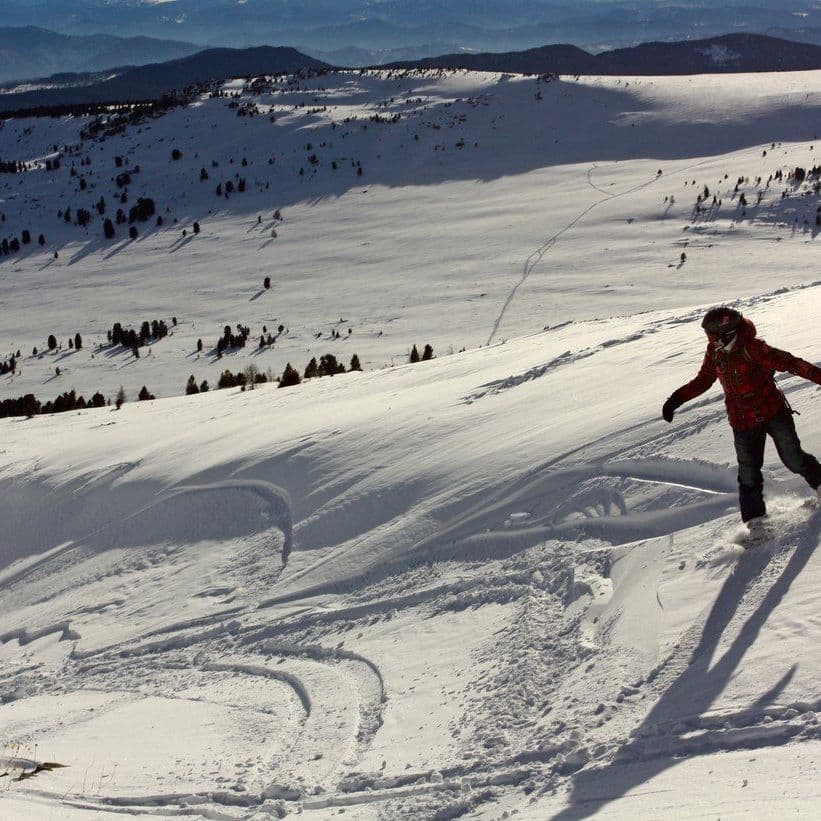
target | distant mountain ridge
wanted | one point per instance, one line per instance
(456, 25)
(730, 53)
(153, 81)
(31, 51)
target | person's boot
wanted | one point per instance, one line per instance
(758, 529)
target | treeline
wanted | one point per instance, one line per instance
(29, 405)
(328, 365)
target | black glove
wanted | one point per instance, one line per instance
(670, 407)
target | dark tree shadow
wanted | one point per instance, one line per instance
(181, 242)
(695, 690)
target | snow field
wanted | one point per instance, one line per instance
(551, 208)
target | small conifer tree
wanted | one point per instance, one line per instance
(120, 397)
(289, 377)
(414, 354)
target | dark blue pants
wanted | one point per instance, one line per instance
(749, 447)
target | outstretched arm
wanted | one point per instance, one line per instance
(779, 360)
(695, 387)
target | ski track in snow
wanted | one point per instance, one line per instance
(536, 256)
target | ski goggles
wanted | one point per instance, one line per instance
(723, 339)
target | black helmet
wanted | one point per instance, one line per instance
(721, 323)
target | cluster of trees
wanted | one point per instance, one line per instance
(229, 187)
(192, 387)
(232, 340)
(13, 167)
(329, 366)
(238, 379)
(251, 376)
(114, 118)
(801, 174)
(9, 365)
(29, 405)
(130, 338)
(51, 343)
(13, 245)
(427, 353)
(267, 338)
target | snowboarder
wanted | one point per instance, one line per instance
(745, 365)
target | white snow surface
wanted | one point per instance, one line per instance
(490, 585)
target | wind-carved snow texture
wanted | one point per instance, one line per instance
(341, 695)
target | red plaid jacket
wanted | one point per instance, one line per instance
(746, 374)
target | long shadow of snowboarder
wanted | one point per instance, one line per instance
(695, 689)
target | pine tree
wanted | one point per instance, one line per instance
(191, 386)
(78, 341)
(414, 354)
(289, 377)
(120, 397)
(427, 353)
(52, 342)
(312, 370)
(355, 366)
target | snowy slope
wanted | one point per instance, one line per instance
(553, 210)
(490, 585)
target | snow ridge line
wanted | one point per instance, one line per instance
(264, 672)
(278, 499)
(570, 357)
(474, 533)
(24, 636)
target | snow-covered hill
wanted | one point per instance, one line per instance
(494, 584)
